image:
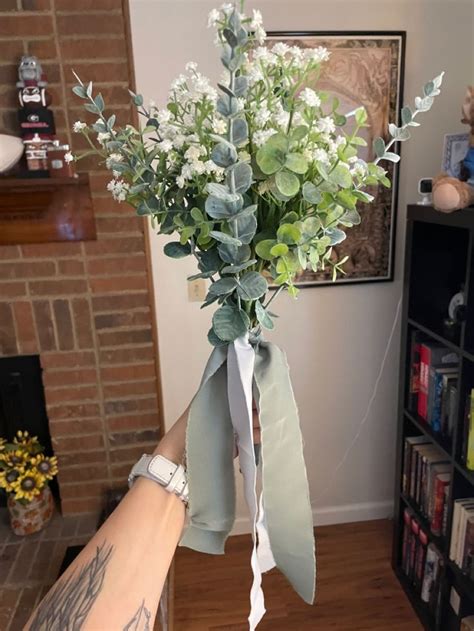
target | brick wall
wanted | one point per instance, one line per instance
(83, 307)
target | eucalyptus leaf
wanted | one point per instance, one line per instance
(391, 157)
(246, 227)
(264, 247)
(240, 86)
(379, 147)
(79, 90)
(263, 316)
(251, 286)
(336, 236)
(227, 105)
(223, 286)
(270, 160)
(229, 323)
(224, 155)
(230, 37)
(214, 340)
(242, 176)
(280, 249)
(222, 192)
(350, 218)
(406, 115)
(222, 237)
(288, 233)
(296, 162)
(341, 176)
(209, 260)
(236, 269)
(310, 193)
(240, 131)
(299, 133)
(346, 199)
(219, 209)
(176, 250)
(287, 183)
(233, 254)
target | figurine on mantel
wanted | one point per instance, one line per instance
(45, 155)
(35, 118)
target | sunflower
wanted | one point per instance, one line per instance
(14, 459)
(3, 442)
(45, 466)
(28, 485)
(8, 479)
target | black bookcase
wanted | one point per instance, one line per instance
(439, 261)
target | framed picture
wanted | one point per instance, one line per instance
(454, 151)
(365, 68)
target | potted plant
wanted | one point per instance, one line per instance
(25, 473)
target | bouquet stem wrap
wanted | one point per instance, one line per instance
(281, 516)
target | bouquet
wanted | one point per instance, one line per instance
(259, 180)
(24, 469)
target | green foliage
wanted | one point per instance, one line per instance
(258, 181)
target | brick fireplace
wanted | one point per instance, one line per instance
(83, 307)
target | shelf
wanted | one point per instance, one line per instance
(429, 433)
(422, 610)
(460, 219)
(41, 210)
(438, 540)
(466, 586)
(439, 338)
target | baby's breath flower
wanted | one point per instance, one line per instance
(103, 137)
(119, 189)
(309, 96)
(68, 157)
(78, 127)
(213, 18)
(163, 116)
(317, 54)
(219, 126)
(280, 49)
(326, 125)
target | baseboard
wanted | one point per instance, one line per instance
(366, 511)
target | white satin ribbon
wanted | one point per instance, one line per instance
(240, 368)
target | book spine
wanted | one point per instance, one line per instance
(420, 560)
(468, 548)
(414, 542)
(406, 467)
(414, 386)
(445, 510)
(429, 573)
(439, 495)
(436, 409)
(407, 516)
(453, 395)
(424, 378)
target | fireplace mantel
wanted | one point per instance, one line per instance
(34, 210)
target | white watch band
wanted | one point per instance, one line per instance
(167, 474)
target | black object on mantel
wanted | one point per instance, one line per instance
(439, 262)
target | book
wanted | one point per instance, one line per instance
(442, 480)
(432, 569)
(449, 386)
(456, 544)
(431, 355)
(453, 398)
(435, 392)
(407, 517)
(468, 549)
(410, 441)
(420, 559)
(467, 510)
(414, 379)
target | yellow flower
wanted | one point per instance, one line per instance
(46, 466)
(3, 442)
(27, 442)
(28, 485)
(15, 459)
(8, 479)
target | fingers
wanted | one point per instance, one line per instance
(256, 428)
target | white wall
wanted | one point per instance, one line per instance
(335, 337)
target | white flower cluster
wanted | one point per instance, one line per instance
(119, 189)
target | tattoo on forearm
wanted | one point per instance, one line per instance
(67, 605)
(140, 621)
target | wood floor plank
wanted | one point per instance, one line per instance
(356, 589)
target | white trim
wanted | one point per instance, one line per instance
(347, 513)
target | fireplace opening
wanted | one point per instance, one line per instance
(22, 404)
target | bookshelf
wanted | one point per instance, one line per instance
(439, 261)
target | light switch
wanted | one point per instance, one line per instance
(197, 290)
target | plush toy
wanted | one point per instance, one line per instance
(451, 193)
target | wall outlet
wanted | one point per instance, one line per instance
(197, 290)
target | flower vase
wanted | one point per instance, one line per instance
(26, 519)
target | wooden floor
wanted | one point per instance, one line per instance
(356, 587)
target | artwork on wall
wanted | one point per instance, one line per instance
(365, 68)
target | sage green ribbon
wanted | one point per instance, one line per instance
(209, 453)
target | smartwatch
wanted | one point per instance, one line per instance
(171, 476)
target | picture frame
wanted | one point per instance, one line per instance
(365, 68)
(454, 151)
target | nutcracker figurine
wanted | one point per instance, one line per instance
(36, 120)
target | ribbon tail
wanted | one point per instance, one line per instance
(209, 457)
(240, 366)
(285, 485)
